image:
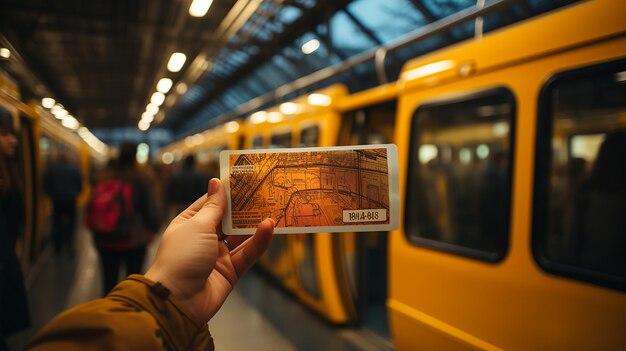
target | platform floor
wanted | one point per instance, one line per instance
(256, 316)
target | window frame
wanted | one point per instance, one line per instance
(541, 178)
(458, 250)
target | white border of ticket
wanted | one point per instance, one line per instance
(394, 193)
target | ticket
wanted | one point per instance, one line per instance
(310, 190)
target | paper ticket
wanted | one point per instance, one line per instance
(309, 190)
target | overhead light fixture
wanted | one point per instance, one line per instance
(70, 122)
(157, 98)
(199, 8)
(152, 109)
(167, 158)
(258, 117)
(319, 100)
(232, 126)
(143, 125)
(176, 62)
(290, 108)
(310, 46)
(164, 85)
(5, 53)
(274, 117)
(148, 117)
(60, 113)
(47, 102)
(181, 88)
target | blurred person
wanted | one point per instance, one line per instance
(186, 185)
(493, 202)
(123, 216)
(599, 225)
(63, 183)
(14, 315)
(195, 269)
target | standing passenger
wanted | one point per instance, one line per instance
(186, 186)
(13, 301)
(123, 216)
(63, 183)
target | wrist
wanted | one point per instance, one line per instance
(181, 298)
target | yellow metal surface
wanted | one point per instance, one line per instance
(442, 301)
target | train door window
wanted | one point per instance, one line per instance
(579, 223)
(281, 140)
(309, 136)
(305, 248)
(460, 169)
(257, 142)
(363, 257)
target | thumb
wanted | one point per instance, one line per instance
(210, 215)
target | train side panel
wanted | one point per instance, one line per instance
(440, 300)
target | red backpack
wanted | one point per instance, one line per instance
(110, 211)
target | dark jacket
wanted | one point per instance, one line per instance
(62, 182)
(186, 187)
(14, 314)
(137, 315)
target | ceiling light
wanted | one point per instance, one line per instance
(319, 100)
(59, 113)
(70, 122)
(167, 158)
(5, 53)
(176, 62)
(157, 98)
(198, 139)
(199, 8)
(152, 109)
(258, 117)
(164, 85)
(47, 102)
(181, 88)
(148, 117)
(310, 46)
(290, 108)
(143, 125)
(232, 126)
(274, 117)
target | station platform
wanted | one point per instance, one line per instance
(256, 316)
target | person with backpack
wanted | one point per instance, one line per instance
(123, 216)
(194, 271)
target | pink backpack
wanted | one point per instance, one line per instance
(110, 211)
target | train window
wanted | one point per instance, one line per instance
(281, 140)
(459, 184)
(257, 142)
(310, 136)
(579, 223)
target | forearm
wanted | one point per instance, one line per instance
(138, 314)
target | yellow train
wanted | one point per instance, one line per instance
(40, 139)
(511, 151)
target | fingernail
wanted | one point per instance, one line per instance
(213, 185)
(273, 222)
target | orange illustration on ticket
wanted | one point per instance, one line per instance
(332, 189)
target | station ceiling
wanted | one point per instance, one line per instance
(103, 59)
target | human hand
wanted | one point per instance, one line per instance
(193, 261)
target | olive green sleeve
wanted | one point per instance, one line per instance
(137, 314)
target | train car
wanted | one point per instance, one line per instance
(41, 138)
(509, 238)
(305, 264)
(504, 245)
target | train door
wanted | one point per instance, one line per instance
(363, 256)
(278, 258)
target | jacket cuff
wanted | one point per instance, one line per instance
(177, 325)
